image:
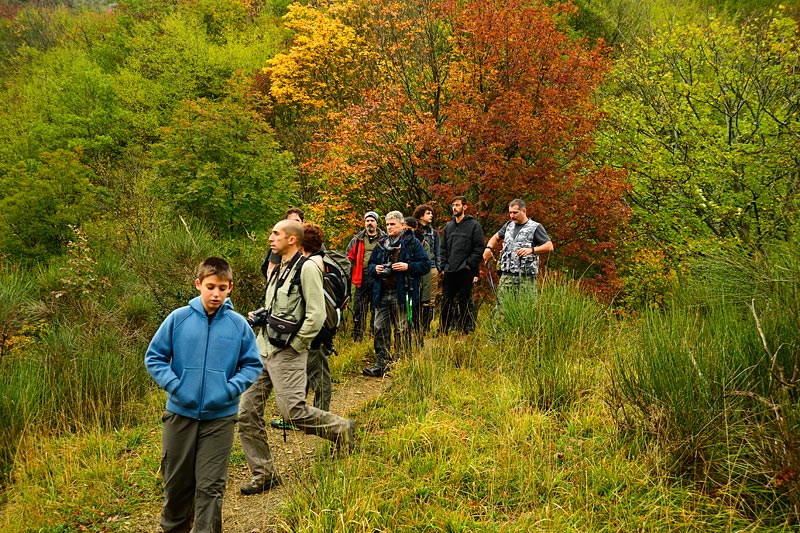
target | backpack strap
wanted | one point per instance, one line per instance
(296, 281)
(297, 260)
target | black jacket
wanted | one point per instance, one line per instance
(462, 245)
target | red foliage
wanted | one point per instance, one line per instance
(522, 125)
(513, 118)
(9, 11)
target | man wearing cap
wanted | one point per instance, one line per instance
(358, 252)
(523, 239)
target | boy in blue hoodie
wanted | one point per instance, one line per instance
(204, 356)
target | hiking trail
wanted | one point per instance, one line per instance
(258, 513)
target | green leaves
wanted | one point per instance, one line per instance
(706, 118)
(41, 202)
(218, 162)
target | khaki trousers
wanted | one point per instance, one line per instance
(318, 374)
(285, 372)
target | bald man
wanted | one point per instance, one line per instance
(296, 303)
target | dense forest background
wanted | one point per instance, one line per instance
(639, 133)
(658, 142)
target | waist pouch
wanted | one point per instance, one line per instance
(281, 329)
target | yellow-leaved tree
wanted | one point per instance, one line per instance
(324, 71)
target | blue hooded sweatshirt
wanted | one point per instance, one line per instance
(204, 365)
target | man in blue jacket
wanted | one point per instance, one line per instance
(204, 356)
(396, 265)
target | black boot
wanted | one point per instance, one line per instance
(377, 370)
(427, 318)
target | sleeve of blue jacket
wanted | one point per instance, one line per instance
(419, 265)
(250, 366)
(159, 356)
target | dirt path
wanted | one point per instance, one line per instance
(257, 514)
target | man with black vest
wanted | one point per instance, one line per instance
(523, 239)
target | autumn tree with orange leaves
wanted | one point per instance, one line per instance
(325, 70)
(491, 99)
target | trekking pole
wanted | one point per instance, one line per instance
(491, 282)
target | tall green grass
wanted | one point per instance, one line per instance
(16, 293)
(464, 440)
(713, 381)
(457, 448)
(82, 369)
(543, 339)
(540, 341)
(80, 327)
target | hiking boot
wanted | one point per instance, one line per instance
(280, 423)
(346, 441)
(375, 371)
(257, 487)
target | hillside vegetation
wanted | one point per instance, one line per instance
(653, 385)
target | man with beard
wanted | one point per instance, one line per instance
(424, 214)
(358, 252)
(462, 249)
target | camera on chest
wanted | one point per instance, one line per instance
(391, 256)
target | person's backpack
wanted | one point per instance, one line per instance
(336, 286)
(344, 265)
(336, 289)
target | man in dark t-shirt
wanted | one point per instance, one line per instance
(293, 213)
(523, 239)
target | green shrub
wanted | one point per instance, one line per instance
(166, 263)
(16, 293)
(544, 337)
(77, 376)
(713, 380)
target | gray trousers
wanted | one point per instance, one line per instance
(389, 316)
(194, 465)
(510, 286)
(319, 377)
(285, 372)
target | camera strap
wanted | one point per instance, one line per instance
(282, 276)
